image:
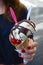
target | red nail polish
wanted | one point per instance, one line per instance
(19, 54)
(23, 51)
(29, 47)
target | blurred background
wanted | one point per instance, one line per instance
(37, 17)
(34, 3)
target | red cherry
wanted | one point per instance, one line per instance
(13, 41)
(18, 41)
(29, 47)
(23, 51)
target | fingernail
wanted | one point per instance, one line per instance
(29, 47)
(23, 51)
(19, 54)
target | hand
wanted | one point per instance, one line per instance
(30, 51)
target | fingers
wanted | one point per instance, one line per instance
(32, 47)
(29, 56)
(31, 51)
(29, 59)
(32, 43)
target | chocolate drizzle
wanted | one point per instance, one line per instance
(23, 29)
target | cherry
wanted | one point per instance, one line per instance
(13, 40)
(23, 51)
(18, 41)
